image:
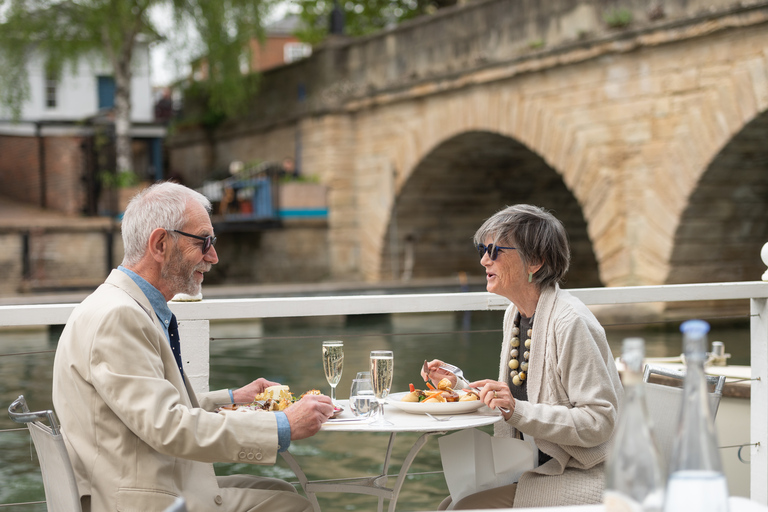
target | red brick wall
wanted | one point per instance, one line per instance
(19, 169)
(270, 54)
(64, 169)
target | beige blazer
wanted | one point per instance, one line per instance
(137, 436)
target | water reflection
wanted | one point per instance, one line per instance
(288, 351)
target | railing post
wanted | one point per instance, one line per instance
(195, 338)
(759, 400)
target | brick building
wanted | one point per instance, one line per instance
(54, 155)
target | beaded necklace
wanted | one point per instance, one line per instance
(519, 369)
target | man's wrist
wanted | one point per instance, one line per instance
(283, 431)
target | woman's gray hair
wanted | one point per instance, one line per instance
(537, 235)
(162, 205)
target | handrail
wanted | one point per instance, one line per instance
(230, 309)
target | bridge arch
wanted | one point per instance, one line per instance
(629, 135)
(725, 222)
(455, 187)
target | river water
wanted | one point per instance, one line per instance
(288, 351)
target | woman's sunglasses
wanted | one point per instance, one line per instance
(208, 241)
(492, 250)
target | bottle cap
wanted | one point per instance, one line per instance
(694, 327)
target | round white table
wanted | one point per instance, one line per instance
(401, 422)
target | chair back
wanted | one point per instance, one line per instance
(665, 402)
(61, 493)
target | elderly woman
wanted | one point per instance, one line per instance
(557, 376)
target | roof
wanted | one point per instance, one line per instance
(287, 25)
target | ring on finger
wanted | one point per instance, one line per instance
(495, 395)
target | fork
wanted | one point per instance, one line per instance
(454, 370)
(438, 419)
(458, 372)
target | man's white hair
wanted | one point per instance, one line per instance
(162, 205)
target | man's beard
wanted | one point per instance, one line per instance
(180, 274)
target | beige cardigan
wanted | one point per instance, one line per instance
(574, 395)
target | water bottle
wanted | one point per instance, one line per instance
(696, 480)
(634, 478)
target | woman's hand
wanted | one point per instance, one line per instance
(435, 374)
(496, 394)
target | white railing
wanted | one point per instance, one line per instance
(194, 329)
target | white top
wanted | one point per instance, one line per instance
(407, 422)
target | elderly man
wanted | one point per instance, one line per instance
(136, 433)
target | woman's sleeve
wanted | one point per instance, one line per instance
(586, 376)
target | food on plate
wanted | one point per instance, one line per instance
(274, 398)
(442, 394)
(470, 396)
(413, 396)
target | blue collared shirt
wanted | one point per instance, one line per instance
(163, 312)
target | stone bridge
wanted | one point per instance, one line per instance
(649, 139)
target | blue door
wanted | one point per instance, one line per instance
(106, 86)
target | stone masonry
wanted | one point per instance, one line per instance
(648, 141)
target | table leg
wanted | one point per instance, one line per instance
(420, 442)
(375, 486)
(287, 457)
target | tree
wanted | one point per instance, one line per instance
(361, 17)
(68, 31)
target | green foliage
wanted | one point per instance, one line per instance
(115, 180)
(225, 29)
(63, 32)
(618, 17)
(361, 17)
(68, 31)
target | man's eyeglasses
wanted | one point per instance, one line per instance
(492, 250)
(208, 241)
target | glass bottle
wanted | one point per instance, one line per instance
(634, 479)
(696, 478)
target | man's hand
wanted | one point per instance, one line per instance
(246, 393)
(308, 414)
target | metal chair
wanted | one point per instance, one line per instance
(61, 493)
(664, 404)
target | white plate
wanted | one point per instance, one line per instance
(432, 408)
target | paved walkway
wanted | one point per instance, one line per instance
(15, 214)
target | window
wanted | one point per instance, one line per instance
(296, 51)
(106, 85)
(51, 85)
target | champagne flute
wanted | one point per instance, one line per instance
(333, 364)
(382, 370)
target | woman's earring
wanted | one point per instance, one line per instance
(530, 277)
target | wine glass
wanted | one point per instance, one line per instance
(382, 369)
(333, 364)
(361, 397)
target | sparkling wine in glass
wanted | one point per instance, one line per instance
(382, 369)
(333, 364)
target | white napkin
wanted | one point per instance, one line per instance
(474, 461)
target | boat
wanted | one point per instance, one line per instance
(195, 317)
